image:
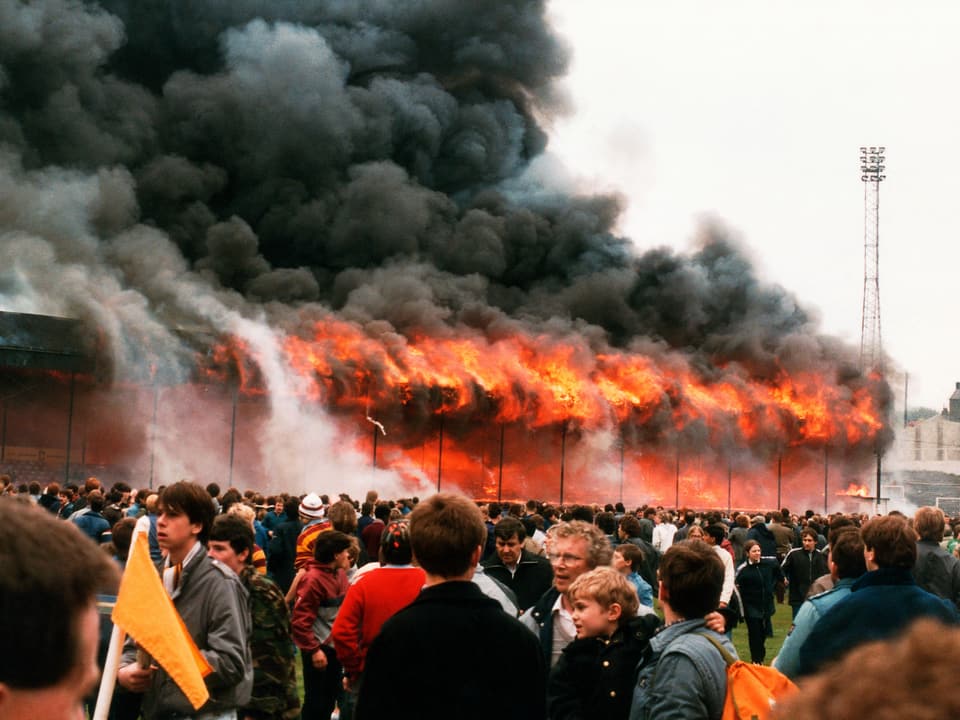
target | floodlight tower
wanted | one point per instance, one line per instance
(871, 173)
(871, 349)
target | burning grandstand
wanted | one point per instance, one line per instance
(310, 246)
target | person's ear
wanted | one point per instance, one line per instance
(614, 612)
(477, 554)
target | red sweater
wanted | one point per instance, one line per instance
(319, 595)
(369, 603)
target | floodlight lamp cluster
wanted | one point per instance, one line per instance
(871, 163)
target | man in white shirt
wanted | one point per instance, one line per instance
(713, 535)
(664, 532)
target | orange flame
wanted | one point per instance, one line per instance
(543, 380)
(854, 490)
(656, 404)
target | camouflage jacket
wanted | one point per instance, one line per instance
(274, 695)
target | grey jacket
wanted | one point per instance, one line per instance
(937, 571)
(214, 606)
(684, 678)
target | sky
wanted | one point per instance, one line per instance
(753, 113)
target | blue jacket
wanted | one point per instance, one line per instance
(644, 591)
(882, 603)
(811, 611)
(93, 525)
(685, 677)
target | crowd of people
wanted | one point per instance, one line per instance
(447, 607)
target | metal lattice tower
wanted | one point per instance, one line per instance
(871, 173)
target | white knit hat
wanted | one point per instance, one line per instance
(311, 506)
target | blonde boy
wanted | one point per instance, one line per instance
(595, 674)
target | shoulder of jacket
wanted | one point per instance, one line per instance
(692, 645)
(823, 594)
(224, 570)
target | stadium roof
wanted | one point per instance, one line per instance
(44, 342)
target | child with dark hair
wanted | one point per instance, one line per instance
(627, 559)
(319, 595)
(212, 603)
(684, 675)
(274, 692)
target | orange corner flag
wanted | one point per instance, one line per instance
(147, 614)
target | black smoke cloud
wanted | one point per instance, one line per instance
(182, 161)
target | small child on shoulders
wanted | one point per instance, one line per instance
(595, 675)
(626, 559)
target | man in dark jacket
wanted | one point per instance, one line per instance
(438, 650)
(528, 575)
(761, 533)
(783, 534)
(883, 602)
(801, 567)
(936, 571)
(768, 555)
(283, 545)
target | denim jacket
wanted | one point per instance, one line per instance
(685, 677)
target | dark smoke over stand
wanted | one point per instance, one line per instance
(175, 173)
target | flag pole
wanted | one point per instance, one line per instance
(108, 678)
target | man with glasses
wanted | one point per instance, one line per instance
(574, 548)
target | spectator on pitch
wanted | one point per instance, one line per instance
(846, 565)
(783, 534)
(801, 567)
(320, 593)
(48, 613)
(755, 583)
(911, 674)
(283, 546)
(738, 537)
(575, 548)
(213, 605)
(664, 532)
(90, 520)
(629, 531)
(883, 601)
(684, 676)
(312, 513)
(274, 694)
(443, 655)
(370, 537)
(626, 558)
(373, 599)
(526, 574)
(713, 535)
(936, 570)
(595, 674)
